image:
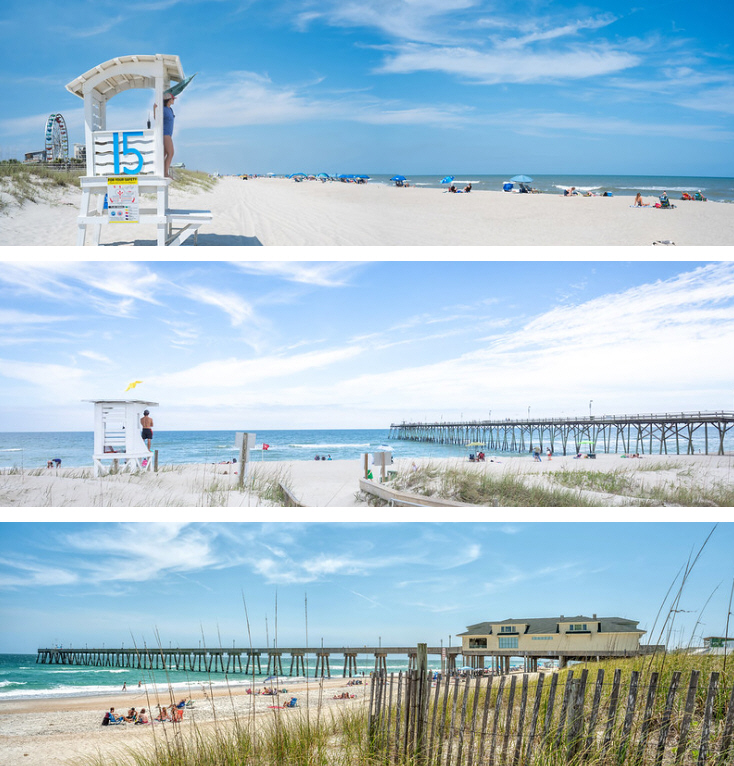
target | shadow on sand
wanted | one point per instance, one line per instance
(208, 240)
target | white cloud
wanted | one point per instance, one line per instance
(237, 309)
(496, 66)
(235, 373)
(321, 274)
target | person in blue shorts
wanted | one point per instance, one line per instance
(168, 118)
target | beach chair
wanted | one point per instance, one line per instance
(177, 715)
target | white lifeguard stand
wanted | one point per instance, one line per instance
(117, 435)
(134, 152)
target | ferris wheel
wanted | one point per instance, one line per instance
(57, 139)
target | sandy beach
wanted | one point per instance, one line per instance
(335, 484)
(56, 731)
(280, 212)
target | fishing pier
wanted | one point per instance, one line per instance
(251, 660)
(684, 433)
(224, 660)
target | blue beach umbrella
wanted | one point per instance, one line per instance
(293, 175)
(366, 178)
(398, 178)
(323, 175)
(447, 180)
(522, 179)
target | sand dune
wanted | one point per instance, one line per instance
(335, 484)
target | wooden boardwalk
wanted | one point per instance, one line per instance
(684, 433)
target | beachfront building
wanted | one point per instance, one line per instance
(117, 435)
(550, 638)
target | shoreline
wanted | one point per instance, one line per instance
(280, 212)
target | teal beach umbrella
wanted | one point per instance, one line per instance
(174, 90)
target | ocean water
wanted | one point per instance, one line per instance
(74, 448)
(22, 678)
(715, 189)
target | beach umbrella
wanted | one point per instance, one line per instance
(522, 179)
(174, 90)
(323, 175)
(398, 178)
(447, 180)
(293, 175)
(366, 178)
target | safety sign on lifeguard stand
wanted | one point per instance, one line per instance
(123, 200)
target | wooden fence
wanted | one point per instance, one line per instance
(512, 720)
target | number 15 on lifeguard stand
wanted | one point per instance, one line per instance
(121, 151)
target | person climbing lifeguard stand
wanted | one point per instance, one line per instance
(117, 435)
(131, 154)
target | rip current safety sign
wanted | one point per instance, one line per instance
(123, 199)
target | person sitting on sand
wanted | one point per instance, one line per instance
(112, 718)
(467, 189)
(162, 714)
(570, 192)
(142, 718)
(452, 189)
(131, 716)
(639, 202)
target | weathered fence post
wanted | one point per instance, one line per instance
(665, 722)
(707, 713)
(629, 715)
(594, 711)
(726, 740)
(688, 713)
(647, 717)
(576, 716)
(612, 712)
(534, 720)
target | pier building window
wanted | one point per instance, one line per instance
(542, 638)
(477, 643)
(507, 642)
(507, 629)
(577, 627)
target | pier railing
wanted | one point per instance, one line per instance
(558, 719)
(654, 433)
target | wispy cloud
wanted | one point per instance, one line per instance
(321, 274)
(492, 67)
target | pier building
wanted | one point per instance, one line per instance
(551, 638)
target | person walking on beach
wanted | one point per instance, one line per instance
(147, 423)
(168, 118)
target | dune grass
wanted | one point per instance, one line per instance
(481, 488)
(21, 183)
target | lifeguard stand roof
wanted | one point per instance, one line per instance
(127, 72)
(122, 401)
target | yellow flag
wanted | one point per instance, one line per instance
(133, 384)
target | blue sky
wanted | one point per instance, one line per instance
(387, 86)
(403, 582)
(361, 344)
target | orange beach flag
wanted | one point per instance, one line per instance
(133, 384)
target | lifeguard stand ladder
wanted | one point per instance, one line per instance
(134, 152)
(117, 435)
